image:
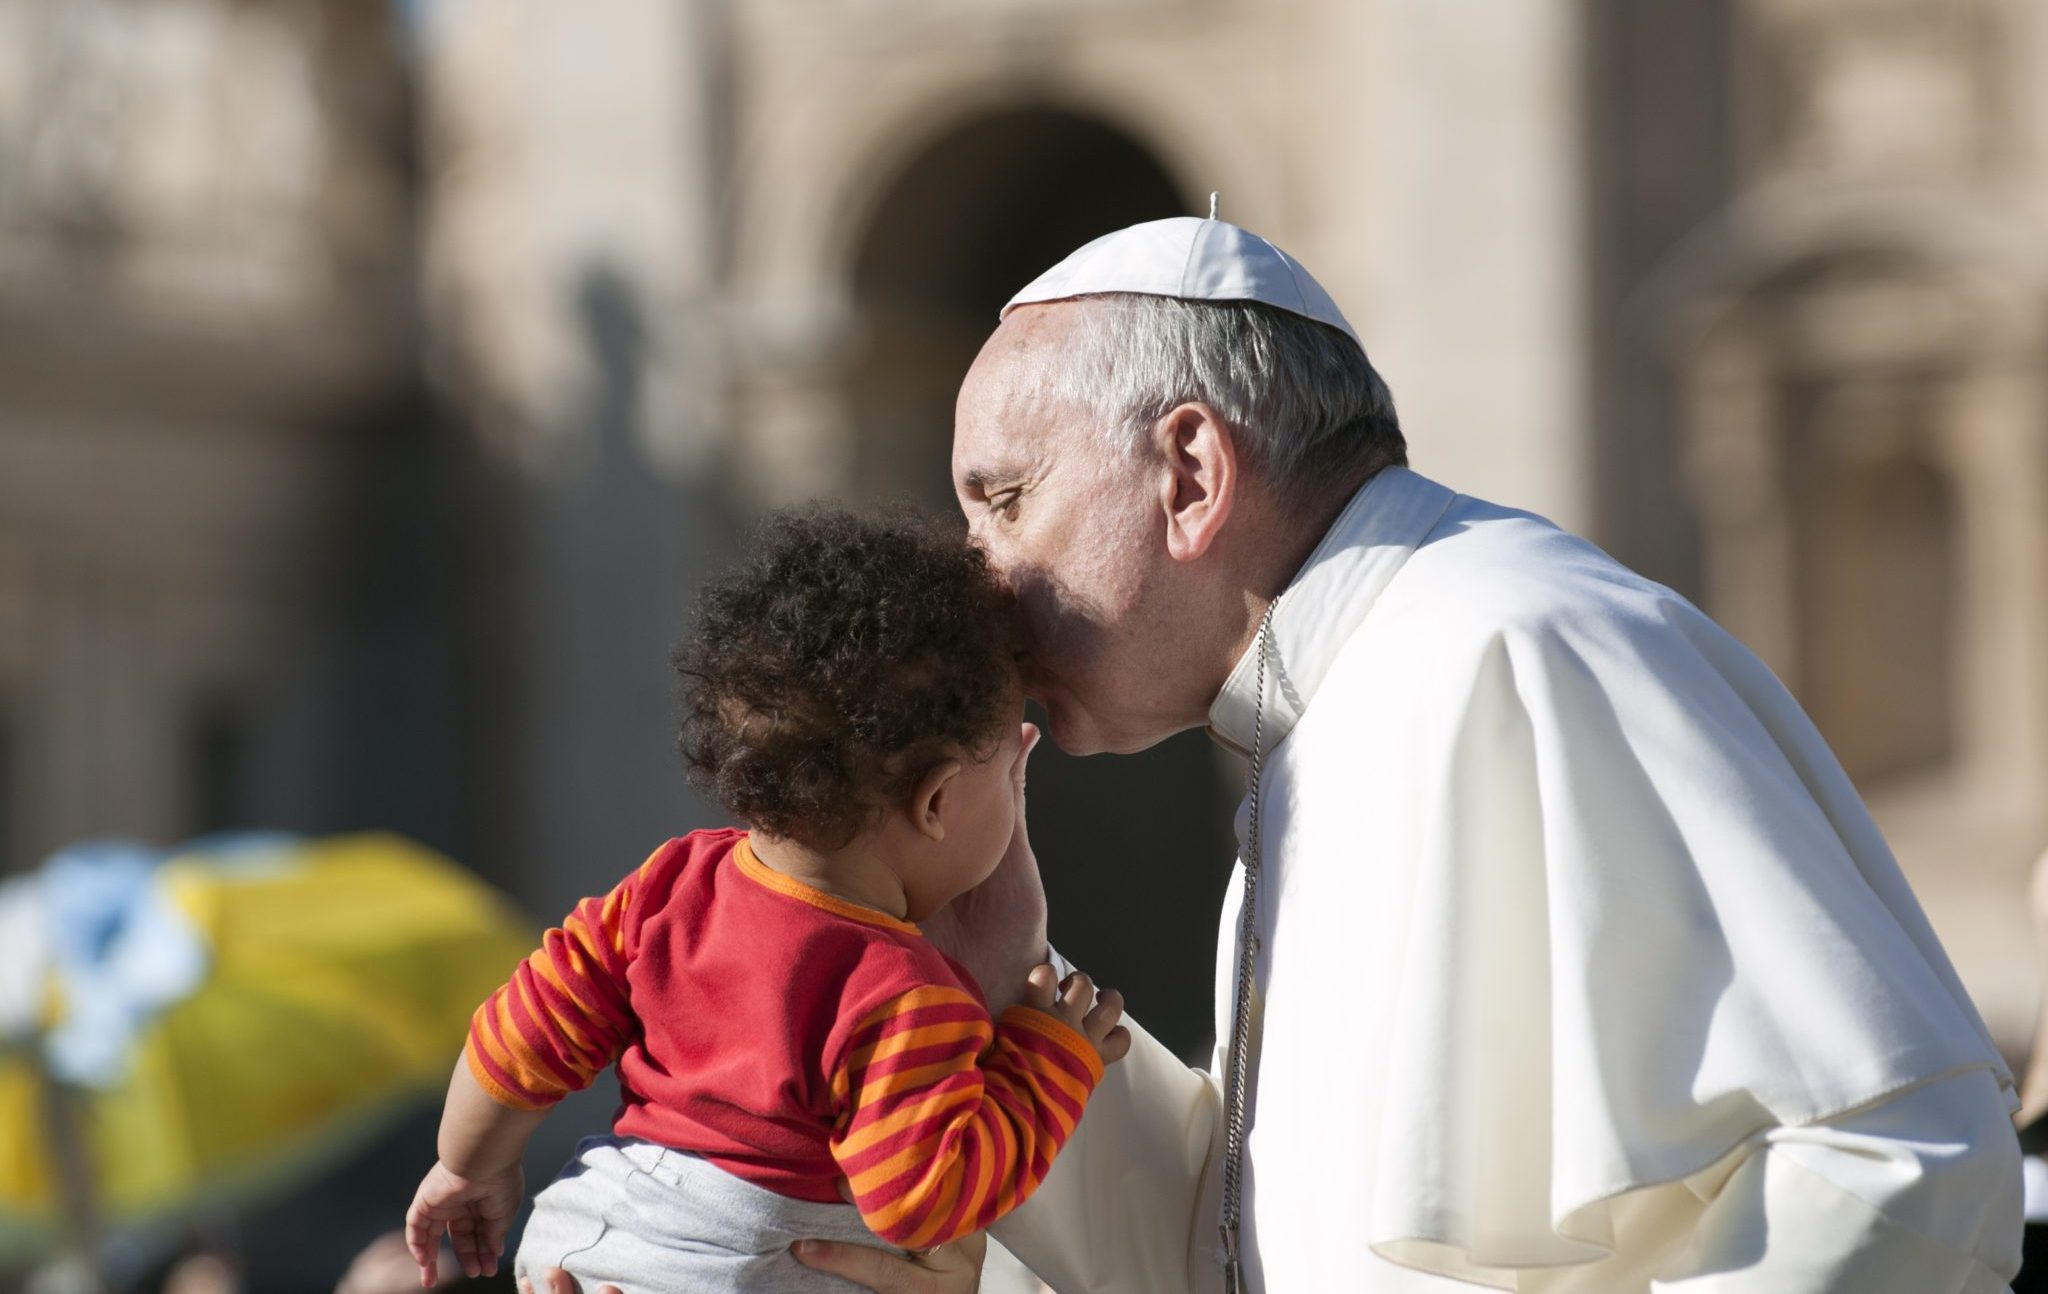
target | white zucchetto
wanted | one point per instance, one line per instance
(1189, 258)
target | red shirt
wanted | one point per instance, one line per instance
(793, 1039)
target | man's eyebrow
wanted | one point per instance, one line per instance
(981, 478)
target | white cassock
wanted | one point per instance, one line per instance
(1582, 967)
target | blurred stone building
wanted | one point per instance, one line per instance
(1751, 292)
(217, 606)
(376, 384)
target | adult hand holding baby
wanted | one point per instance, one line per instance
(997, 929)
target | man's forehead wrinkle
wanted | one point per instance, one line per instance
(1005, 469)
(1030, 395)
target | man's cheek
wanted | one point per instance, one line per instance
(1059, 638)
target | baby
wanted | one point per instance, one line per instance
(786, 1039)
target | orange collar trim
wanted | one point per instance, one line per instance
(768, 878)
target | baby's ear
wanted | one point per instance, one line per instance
(928, 802)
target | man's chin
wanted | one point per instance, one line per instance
(1072, 732)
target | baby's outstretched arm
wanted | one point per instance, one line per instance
(473, 1191)
(950, 1120)
(562, 1018)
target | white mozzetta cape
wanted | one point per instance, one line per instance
(1567, 913)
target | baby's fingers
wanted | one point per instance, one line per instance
(494, 1243)
(478, 1240)
(485, 1241)
(423, 1241)
(1109, 1008)
(467, 1237)
(1041, 986)
(1077, 993)
(1115, 1045)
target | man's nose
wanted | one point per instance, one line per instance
(1004, 577)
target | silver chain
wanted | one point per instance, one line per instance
(1238, 1060)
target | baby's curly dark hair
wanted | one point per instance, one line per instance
(837, 664)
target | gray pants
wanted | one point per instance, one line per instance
(652, 1220)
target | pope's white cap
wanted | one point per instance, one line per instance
(1195, 260)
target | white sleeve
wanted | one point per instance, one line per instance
(1131, 1202)
(1917, 1195)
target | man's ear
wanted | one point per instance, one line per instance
(928, 801)
(1199, 451)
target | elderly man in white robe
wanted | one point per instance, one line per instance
(1560, 956)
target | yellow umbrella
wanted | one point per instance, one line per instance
(339, 980)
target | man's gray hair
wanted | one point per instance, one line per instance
(1309, 411)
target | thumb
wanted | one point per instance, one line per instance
(864, 1266)
(1041, 988)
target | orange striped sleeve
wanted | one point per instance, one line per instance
(564, 1015)
(949, 1122)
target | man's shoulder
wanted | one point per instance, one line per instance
(1488, 571)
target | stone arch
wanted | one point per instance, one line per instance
(814, 186)
(814, 180)
(963, 225)
(1996, 256)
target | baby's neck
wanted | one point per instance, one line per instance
(857, 872)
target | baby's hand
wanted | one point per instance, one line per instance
(474, 1211)
(1076, 1002)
